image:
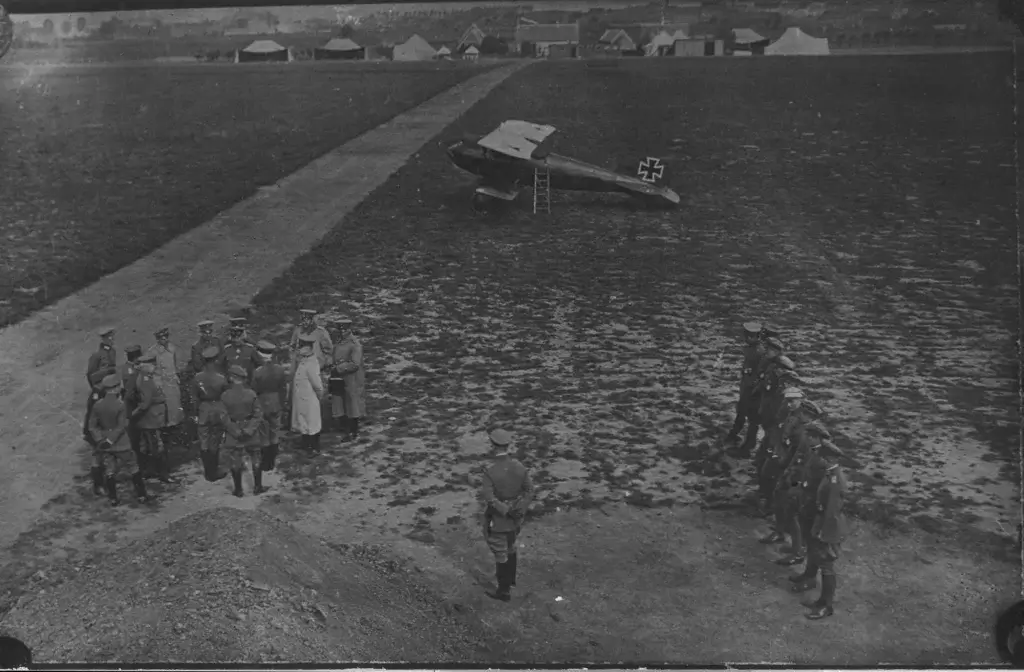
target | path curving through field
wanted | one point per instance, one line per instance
(208, 272)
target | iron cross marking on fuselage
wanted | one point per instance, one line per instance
(650, 169)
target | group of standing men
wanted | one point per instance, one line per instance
(237, 396)
(799, 479)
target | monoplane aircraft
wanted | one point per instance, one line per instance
(513, 155)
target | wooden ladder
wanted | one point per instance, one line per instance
(542, 190)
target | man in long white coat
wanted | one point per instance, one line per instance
(169, 364)
(307, 393)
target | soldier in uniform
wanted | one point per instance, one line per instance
(243, 420)
(206, 341)
(506, 493)
(108, 425)
(239, 352)
(766, 460)
(169, 365)
(752, 353)
(828, 531)
(150, 416)
(207, 387)
(102, 363)
(766, 373)
(800, 428)
(348, 381)
(130, 395)
(270, 383)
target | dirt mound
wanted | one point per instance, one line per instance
(226, 586)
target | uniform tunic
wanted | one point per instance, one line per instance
(752, 355)
(130, 394)
(506, 481)
(322, 346)
(347, 362)
(151, 414)
(109, 422)
(270, 383)
(830, 527)
(207, 389)
(101, 364)
(204, 343)
(243, 420)
(168, 365)
(307, 390)
(243, 355)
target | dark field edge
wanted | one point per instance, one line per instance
(372, 241)
(103, 166)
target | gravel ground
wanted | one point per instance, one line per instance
(236, 586)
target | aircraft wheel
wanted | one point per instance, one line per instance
(480, 203)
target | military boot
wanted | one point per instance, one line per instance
(823, 607)
(163, 465)
(315, 442)
(512, 568)
(267, 457)
(773, 537)
(112, 491)
(504, 591)
(97, 480)
(140, 487)
(236, 476)
(257, 480)
(354, 428)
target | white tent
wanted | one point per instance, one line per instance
(444, 51)
(795, 42)
(414, 49)
(746, 36)
(263, 50)
(472, 53)
(342, 44)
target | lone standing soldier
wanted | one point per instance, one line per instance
(207, 388)
(238, 351)
(270, 383)
(243, 419)
(752, 353)
(206, 341)
(102, 363)
(506, 493)
(348, 381)
(169, 365)
(108, 426)
(150, 417)
(130, 395)
(307, 391)
(828, 532)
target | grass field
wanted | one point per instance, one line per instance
(104, 165)
(863, 205)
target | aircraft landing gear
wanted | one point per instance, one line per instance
(485, 204)
(480, 203)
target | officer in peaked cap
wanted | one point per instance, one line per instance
(323, 347)
(207, 387)
(239, 352)
(101, 364)
(108, 426)
(752, 354)
(347, 380)
(206, 340)
(506, 493)
(243, 425)
(270, 383)
(130, 392)
(828, 531)
(769, 331)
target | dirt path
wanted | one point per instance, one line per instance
(208, 272)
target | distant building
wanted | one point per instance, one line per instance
(471, 53)
(414, 49)
(340, 49)
(541, 37)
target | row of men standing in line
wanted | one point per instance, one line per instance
(798, 475)
(152, 384)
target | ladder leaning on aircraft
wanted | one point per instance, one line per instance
(515, 154)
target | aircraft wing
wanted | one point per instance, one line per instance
(518, 139)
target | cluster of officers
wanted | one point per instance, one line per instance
(798, 475)
(234, 398)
